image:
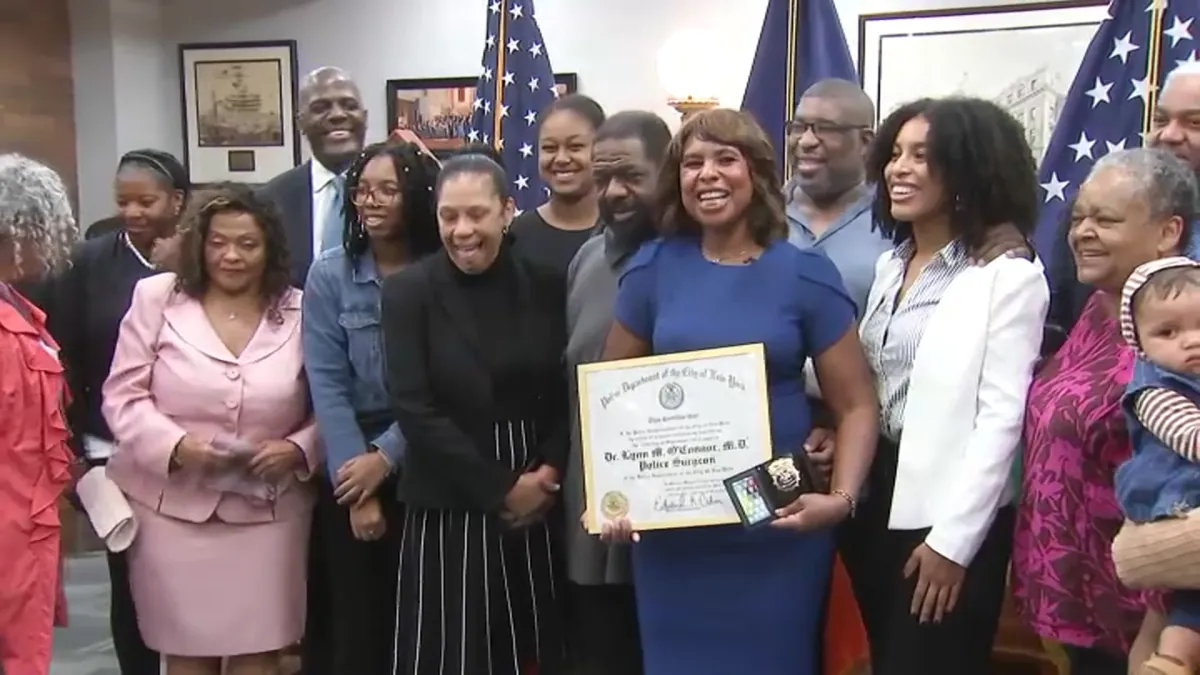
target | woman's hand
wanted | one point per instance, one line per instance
(165, 253)
(1002, 240)
(529, 497)
(813, 511)
(819, 447)
(196, 453)
(618, 531)
(939, 581)
(276, 459)
(547, 476)
(359, 478)
(367, 521)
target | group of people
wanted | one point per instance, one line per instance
(343, 413)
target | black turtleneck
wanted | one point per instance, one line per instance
(499, 302)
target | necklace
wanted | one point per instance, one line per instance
(742, 257)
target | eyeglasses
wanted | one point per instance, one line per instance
(384, 195)
(820, 129)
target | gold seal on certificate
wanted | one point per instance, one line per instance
(662, 433)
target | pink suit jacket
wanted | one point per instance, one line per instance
(171, 375)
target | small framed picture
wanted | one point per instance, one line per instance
(239, 110)
(438, 110)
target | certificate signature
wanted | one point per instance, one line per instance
(682, 502)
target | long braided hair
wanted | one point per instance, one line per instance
(418, 175)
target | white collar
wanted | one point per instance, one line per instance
(321, 176)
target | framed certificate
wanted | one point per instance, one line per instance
(662, 433)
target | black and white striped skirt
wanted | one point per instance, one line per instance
(475, 597)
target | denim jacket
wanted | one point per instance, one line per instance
(1156, 482)
(343, 356)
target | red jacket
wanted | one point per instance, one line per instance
(34, 462)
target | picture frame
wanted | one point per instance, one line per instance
(438, 109)
(239, 110)
(1024, 57)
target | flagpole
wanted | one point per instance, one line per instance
(500, 56)
(789, 85)
(1153, 61)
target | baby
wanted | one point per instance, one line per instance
(1159, 486)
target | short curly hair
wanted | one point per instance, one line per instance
(35, 211)
(417, 174)
(734, 128)
(235, 198)
(979, 153)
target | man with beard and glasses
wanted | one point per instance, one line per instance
(602, 616)
(310, 197)
(1175, 127)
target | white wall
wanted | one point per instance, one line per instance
(123, 76)
(612, 45)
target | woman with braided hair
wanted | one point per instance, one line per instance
(389, 222)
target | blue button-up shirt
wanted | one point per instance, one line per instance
(343, 356)
(851, 242)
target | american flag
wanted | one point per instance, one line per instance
(516, 83)
(1106, 107)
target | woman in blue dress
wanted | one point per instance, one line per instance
(721, 600)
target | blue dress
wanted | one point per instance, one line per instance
(718, 600)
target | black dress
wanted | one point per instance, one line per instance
(475, 597)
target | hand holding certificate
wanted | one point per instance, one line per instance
(661, 434)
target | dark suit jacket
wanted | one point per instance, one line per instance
(442, 391)
(292, 194)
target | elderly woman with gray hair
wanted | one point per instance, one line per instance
(1135, 207)
(37, 232)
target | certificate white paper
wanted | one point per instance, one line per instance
(661, 433)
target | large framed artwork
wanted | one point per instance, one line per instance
(438, 110)
(239, 110)
(1023, 57)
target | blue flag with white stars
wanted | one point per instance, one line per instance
(1105, 109)
(515, 85)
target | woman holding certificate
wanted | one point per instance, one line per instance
(725, 275)
(473, 343)
(952, 345)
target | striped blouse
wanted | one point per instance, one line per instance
(891, 330)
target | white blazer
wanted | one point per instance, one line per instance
(966, 401)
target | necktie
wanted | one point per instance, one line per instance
(331, 230)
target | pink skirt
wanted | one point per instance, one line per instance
(218, 589)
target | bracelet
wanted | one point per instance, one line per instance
(849, 500)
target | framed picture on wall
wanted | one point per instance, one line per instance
(1023, 57)
(239, 110)
(438, 110)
